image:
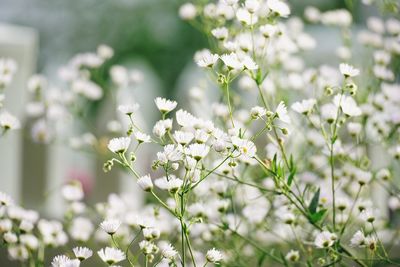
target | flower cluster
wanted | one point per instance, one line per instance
(283, 169)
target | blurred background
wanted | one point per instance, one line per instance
(44, 34)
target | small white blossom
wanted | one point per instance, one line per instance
(111, 255)
(145, 183)
(165, 105)
(214, 256)
(348, 70)
(110, 226)
(119, 145)
(325, 239)
(82, 253)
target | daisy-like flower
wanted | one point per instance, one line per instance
(165, 105)
(348, 70)
(206, 59)
(282, 113)
(198, 151)
(358, 239)
(245, 17)
(8, 121)
(269, 30)
(59, 261)
(249, 63)
(169, 252)
(305, 106)
(145, 183)
(220, 33)
(325, 239)
(172, 184)
(128, 109)
(110, 226)
(111, 255)
(183, 138)
(5, 200)
(245, 147)
(214, 256)
(348, 105)
(82, 253)
(293, 256)
(119, 145)
(142, 137)
(231, 61)
(279, 7)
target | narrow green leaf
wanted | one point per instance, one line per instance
(318, 216)
(314, 202)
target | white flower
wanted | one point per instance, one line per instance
(10, 238)
(145, 183)
(111, 255)
(172, 184)
(142, 137)
(5, 200)
(348, 70)
(245, 17)
(354, 128)
(231, 61)
(119, 145)
(279, 7)
(128, 109)
(183, 138)
(268, 30)
(82, 253)
(72, 192)
(305, 106)
(30, 241)
(169, 252)
(59, 261)
(8, 121)
(214, 256)
(165, 105)
(324, 239)
(258, 112)
(198, 151)
(249, 63)
(88, 89)
(104, 51)
(282, 113)
(184, 118)
(348, 105)
(206, 59)
(293, 256)
(245, 147)
(358, 239)
(220, 33)
(368, 215)
(187, 11)
(371, 242)
(252, 5)
(110, 226)
(329, 112)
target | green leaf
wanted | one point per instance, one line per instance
(314, 203)
(316, 217)
(291, 176)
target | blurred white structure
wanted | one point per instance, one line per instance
(21, 44)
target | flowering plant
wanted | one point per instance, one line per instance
(251, 184)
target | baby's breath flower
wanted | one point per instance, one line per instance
(348, 70)
(110, 226)
(325, 239)
(82, 253)
(214, 256)
(145, 183)
(119, 145)
(165, 105)
(111, 255)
